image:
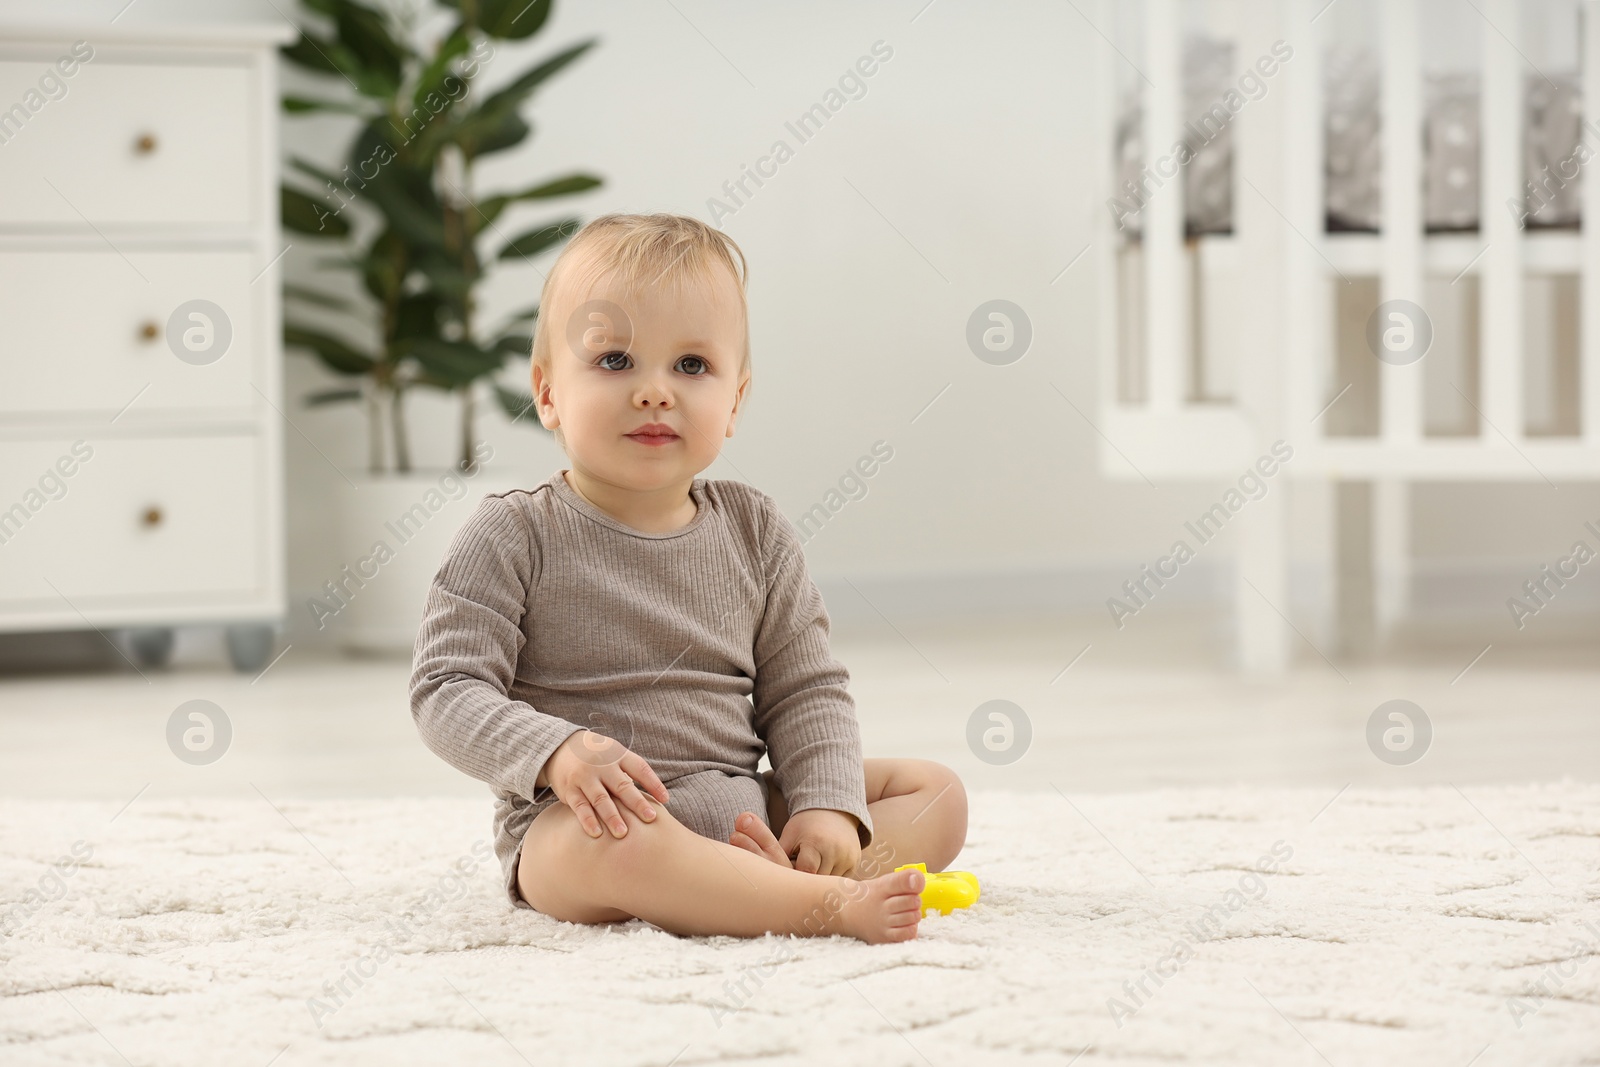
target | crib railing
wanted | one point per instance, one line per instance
(1286, 363)
(1589, 276)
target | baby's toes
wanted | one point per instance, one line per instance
(907, 885)
(762, 843)
(739, 840)
(905, 909)
(752, 834)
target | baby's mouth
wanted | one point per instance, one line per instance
(653, 438)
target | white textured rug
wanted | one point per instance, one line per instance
(1407, 927)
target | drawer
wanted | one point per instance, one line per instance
(108, 519)
(87, 331)
(128, 143)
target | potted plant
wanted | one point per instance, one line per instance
(405, 215)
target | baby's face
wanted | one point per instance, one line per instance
(621, 362)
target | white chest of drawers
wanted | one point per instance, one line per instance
(141, 472)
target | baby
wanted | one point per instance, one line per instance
(614, 649)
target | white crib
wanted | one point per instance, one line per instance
(1158, 418)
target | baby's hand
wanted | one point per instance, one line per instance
(589, 769)
(822, 841)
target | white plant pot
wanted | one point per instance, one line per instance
(392, 535)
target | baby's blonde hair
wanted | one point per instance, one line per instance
(639, 252)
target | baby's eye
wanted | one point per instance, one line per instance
(694, 361)
(601, 362)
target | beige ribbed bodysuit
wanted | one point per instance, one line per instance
(699, 649)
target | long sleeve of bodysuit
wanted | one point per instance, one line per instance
(467, 652)
(803, 710)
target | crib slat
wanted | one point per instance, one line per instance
(1589, 268)
(1265, 246)
(1309, 355)
(1500, 292)
(1401, 217)
(1166, 282)
(1103, 251)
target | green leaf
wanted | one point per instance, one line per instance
(313, 53)
(315, 296)
(302, 214)
(456, 362)
(403, 192)
(447, 276)
(332, 396)
(519, 406)
(339, 356)
(440, 67)
(327, 56)
(572, 183)
(385, 267)
(535, 241)
(490, 209)
(422, 132)
(417, 316)
(364, 32)
(495, 134)
(514, 344)
(512, 20)
(420, 225)
(299, 105)
(512, 95)
(496, 124)
(306, 167)
(477, 133)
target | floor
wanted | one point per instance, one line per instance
(1246, 927)
(1109, 711)
(1426, 900)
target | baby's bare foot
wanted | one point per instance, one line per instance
(886, 908)
(753, 835)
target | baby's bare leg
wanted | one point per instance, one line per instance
(668, 875)
(919, 815)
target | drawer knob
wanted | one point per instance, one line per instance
(149, 331)
(152, 516)
(146, 144)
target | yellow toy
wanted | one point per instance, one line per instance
(945, 890)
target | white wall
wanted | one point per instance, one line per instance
(964, 141)
(966, 161)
